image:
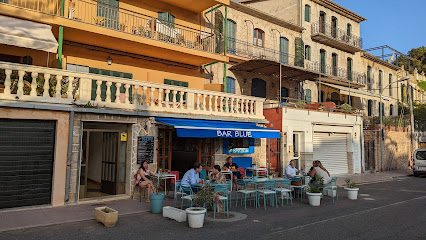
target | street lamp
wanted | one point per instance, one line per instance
(381, 118)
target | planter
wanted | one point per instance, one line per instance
(106, 215)
(352, 193)
(174, 213)
(314, 198)
(156, 202)
(330, 192)
(196, 216)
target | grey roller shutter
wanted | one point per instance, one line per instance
(331, 149)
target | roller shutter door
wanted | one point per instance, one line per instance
(26, 162)
(331, 150)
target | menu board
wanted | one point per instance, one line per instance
(145, 149)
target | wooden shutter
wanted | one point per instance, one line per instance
(307, 13)
(299, 59)
(284, 50)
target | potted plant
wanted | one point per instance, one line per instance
(99, 20)
(203, 198)
(122, 27)
(300, 104)
(315, 192)
(346, 107)
(157, 197)
(351, 189)
(106, 215)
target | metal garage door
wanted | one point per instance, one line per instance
(26, 162)
(331, 150)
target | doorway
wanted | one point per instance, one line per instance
(273, 155)
(103, 163)
(258, 88)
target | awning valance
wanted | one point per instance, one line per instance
(218, 129)
(27, 34)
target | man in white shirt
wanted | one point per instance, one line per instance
(291, 170)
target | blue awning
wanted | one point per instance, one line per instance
(218, 129)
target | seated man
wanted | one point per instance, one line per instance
(229, 165)
(291, 170)
(192, 177)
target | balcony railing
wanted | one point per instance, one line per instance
(119, 19)
(337, 33)
(249, 50)
(24, 83)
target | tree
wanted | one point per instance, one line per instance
(418, 61)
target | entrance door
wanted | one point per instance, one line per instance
(296, 148)
(273, 155)
(331, 149)
(258, 88)
(109, 163)
(369, 149)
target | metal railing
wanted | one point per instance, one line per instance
(119, 19)
(388, 121)
(26, 83)
(337, 33)
(249, 50)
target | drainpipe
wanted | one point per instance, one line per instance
(60, 41)
(226, 47)
(224, 77)
(70, 137)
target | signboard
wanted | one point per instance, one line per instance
(145, 149)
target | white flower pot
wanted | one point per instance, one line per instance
(352, 193)
(196, 216)
(314, 198)
(174, 213)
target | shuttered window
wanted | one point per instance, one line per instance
(307, 13)
(175, 83)
(390, 85)
(283, 50)
(113, 87)
(230, 85)
(308, 95)
(231, 31)
(168, 18)
(107, 11)
(308, 52)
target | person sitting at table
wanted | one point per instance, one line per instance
(192, 176)
(230, 166)
(144, 176)
(318, 170)
(217, 177)
(291, 170)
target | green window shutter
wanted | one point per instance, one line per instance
(283, 50)
(390, 85)
(175, 83)
(299, 59)
(322, 61)
(307, 52)
(349, 30)
(349, 69)
(307, 13)
(308, 95)
(402, 93)
(163, 16)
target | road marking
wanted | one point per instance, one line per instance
(369, 199)
(414, 191)
(345, 216)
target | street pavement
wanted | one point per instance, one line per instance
(393, 209)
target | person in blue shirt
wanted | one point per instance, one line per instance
(192, 176)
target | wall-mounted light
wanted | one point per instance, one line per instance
(109, 60)
(245, 80)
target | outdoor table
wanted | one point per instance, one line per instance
(257, 170)
(256, 182)
(165, 176)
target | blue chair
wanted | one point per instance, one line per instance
(243, 189)
(203, 174)
(224, 189)
(229, 183)
(268, 188)
(186, 193)
(333, 187)
(301, 187)
(284, 189)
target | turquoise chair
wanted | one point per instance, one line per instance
(268, 189)
(243, 189)
(284, 189)
(203, 174)
(224, 189)
(186, 193)
(229, 183)
(332, 186)
(301, 188)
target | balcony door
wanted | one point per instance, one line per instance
(334, 27)
(231, 32)
(283, 50)
(322, 22)
(107, 11)
(322, 60)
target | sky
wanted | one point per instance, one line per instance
(400, 24)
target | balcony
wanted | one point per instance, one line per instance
(293, 65)
(188, 45)
(197, 6)
(335, 37)
(27, 84)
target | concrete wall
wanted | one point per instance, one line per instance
(61, 144)
(287, 10)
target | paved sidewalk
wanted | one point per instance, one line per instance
(372, 177)
(44, 216)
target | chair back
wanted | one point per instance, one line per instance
(241, 183)
(176, 173)
(285, 183)
(269, 185)
(186, 189)
(203, 174)
(220, 188)
(333, 181)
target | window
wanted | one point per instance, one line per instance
(167, 18)
(349, 30)
(230, 85)
(322, 60)
(322, 22)
(369, 78)
(206, 152)
(308, 95)
(284, 94)
(390, 85)
(380, 80)
(334, 27)
(238, 145)
(307, 13)
(349, 69)
(103, 85)
(108, 10)
(175, 83)
(283, 50)
(231, 30)
(391, 110)
(334, 55)
(258, 37)
(308, 52)
(370, 108)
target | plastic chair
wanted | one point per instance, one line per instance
(332, 186)
(268, 188)
(176, 173)
(224, 189)
(285, 188)
(142, 189)
(203, 174)
(229, 183)
(245, 192)
(301, 187)
(186, 193)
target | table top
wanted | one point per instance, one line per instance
(262, 179)
(257, 169)
(165, 175)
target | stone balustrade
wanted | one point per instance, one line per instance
(20, 82)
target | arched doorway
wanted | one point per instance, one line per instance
(258, 88)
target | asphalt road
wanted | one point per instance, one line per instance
(387, 210)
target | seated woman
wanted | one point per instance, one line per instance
(318, 170)
(143, 178)
(217, 177)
